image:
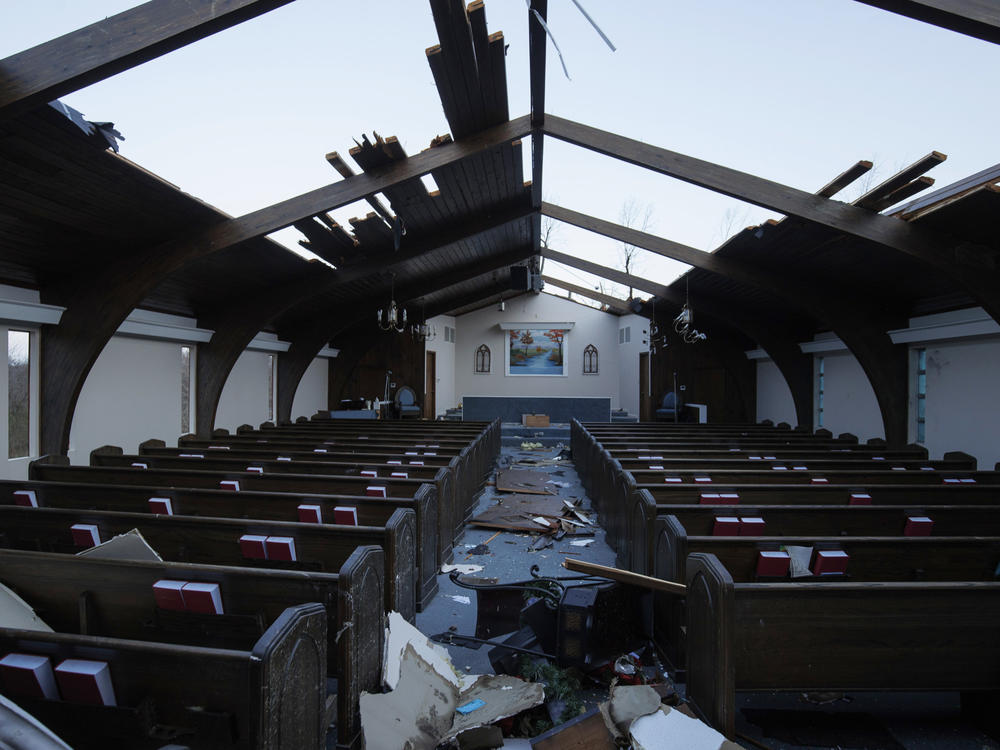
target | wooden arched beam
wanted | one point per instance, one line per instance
(972, 266)
(864, 331)
(779, 343)
(237, 327)
(96, 306)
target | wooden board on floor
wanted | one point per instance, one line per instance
(587, 732)
(523, 480)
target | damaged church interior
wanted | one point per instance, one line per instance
(461, 445)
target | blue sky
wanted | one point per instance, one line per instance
(792, 90)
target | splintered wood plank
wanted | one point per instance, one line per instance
(523, 480)
(844, 179)
(902, 178)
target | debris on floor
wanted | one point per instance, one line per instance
(534, 513)
(426, 692)
(523, 480)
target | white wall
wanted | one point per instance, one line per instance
(312, 393)
(962, 405)
(849, 403)
(591, 327)
(244, 397)
(774, 397)
(445, 397)
(628, 360)
(133, 393)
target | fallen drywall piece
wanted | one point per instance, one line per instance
(19, 729)
(502, 696)
(421, 709)
(417, 713)
(17, 613)
(627, 703)
(400, 634)
(667, 729)
(128, 546)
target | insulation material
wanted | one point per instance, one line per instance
(668, 729)
(17, 613)
(128, 546)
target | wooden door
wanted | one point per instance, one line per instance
(430, 384)
(645, 408)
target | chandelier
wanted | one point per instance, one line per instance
(421, 331)
(392, 318)
(684, 323)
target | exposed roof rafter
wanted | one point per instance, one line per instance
(55, 68)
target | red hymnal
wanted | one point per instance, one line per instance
(752, 526)
(376, 491)
(726, 526)
(369, 473)
(345, 515)
(204, 598)
(256, 469)
(829, 561)
(772, 564)
(84, 681)
(28, 674)
(280, 548)
(254, 546)
(860, 498)
(169, 594)
(230, 484)
(400, 475)
(85, 534)
(918, 526)
(161, 505)
(26, 498)
(311, 514)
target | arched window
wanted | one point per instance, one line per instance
(590, 360)
(483, 358)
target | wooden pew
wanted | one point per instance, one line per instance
(215, 541)
(631, 521)
(468, 480)
(834, 636)
(53, 469)
(269, 506)
(442, 477)
(112, 598)
(874, 558)
(268, 696)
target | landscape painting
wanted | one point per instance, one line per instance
(536, 351)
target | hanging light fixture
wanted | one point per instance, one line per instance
(684, 322)
(392, 318)
(421, 331)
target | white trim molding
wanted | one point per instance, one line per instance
(268, 342)
(824, 342)
(328, 352)
(758, 354)
(146, 324)
(956, 324)
(13, 311)
(534, 325)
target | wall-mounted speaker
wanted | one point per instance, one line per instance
(520, 278)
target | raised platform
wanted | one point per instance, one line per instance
(558, 408)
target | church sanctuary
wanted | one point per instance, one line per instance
(360, 397)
